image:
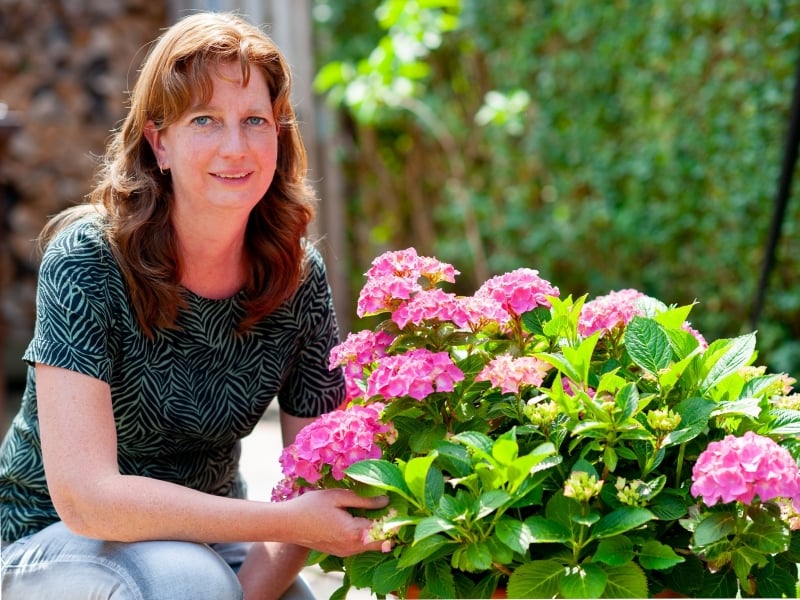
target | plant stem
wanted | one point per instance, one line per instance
(679, 464)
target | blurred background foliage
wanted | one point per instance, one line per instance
(609, 145)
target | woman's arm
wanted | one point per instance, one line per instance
(79, 447)
(271, 567)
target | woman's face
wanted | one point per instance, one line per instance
(221, 154)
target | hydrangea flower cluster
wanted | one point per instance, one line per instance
(606, 313)
(417, 373)
(743, 468)
(509, 373)
(355, 353)
(395, 276)
(328, 446)
(611, 312)
(518, 291)
(595, 411)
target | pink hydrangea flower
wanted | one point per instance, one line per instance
(743, 468)
(408, 264)
(355, 353)
(384, 293)
(429, 305)
(360, 348)
(518, 291)
(509, 373)
(483, 310)
(605, 313)
(417, 373)
(329, 445)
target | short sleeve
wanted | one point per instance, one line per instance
(73, 307)
(312, 388)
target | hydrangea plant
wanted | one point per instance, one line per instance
(554, 447)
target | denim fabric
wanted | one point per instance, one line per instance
(56, 564)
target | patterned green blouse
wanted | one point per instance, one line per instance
(183, 400)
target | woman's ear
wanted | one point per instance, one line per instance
(154, 138)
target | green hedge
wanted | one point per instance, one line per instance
(607, 144)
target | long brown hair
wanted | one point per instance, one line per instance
(136, 196)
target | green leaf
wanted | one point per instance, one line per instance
(475, 440)
(614, 551)
(535, 320)
(714, 527)
(489, 502)
(776, 583)
(545, 531)
(514, 533)
(655, 555)
(388, 577)
(416, 475)
(768, 534)
(431, 526)
(381, 474)
(505, 451)
(648, 345)
(414, 553)
(736, 353)
(472, 557)
(785, 422)
(586, 581)
(439, 579)
(620, 521)
(626, 581)
(537, 579)
(360, 568)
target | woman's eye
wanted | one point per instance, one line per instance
(201, 120)
(256, 121)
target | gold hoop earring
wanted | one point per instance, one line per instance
(163, 172)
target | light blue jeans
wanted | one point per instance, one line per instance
(56, 564)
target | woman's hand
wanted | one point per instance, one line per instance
(321, 521)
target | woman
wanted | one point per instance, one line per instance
(171, 309)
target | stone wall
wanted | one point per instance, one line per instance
(65, 67)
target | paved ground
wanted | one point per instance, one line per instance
(259, 464)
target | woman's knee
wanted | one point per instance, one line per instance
(62, 566)
(178, 571)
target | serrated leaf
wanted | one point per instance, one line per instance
(620, 521)
(655, 555)
(381, 474)
(736, 354)
(439, 579)
(647, 345)
(776, 583)
(414, 553)
(431, 526)
(388, 577)
(416, 475)
(489, 502)
(514, 533)
(546, 531)
(534, 321)
(626, 581)
(615, 551)
(713, 528)
(360, 568)
(536, 579)
(586, 581)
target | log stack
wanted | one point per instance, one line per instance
(65, 68)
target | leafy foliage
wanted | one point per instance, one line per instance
(611, 144)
